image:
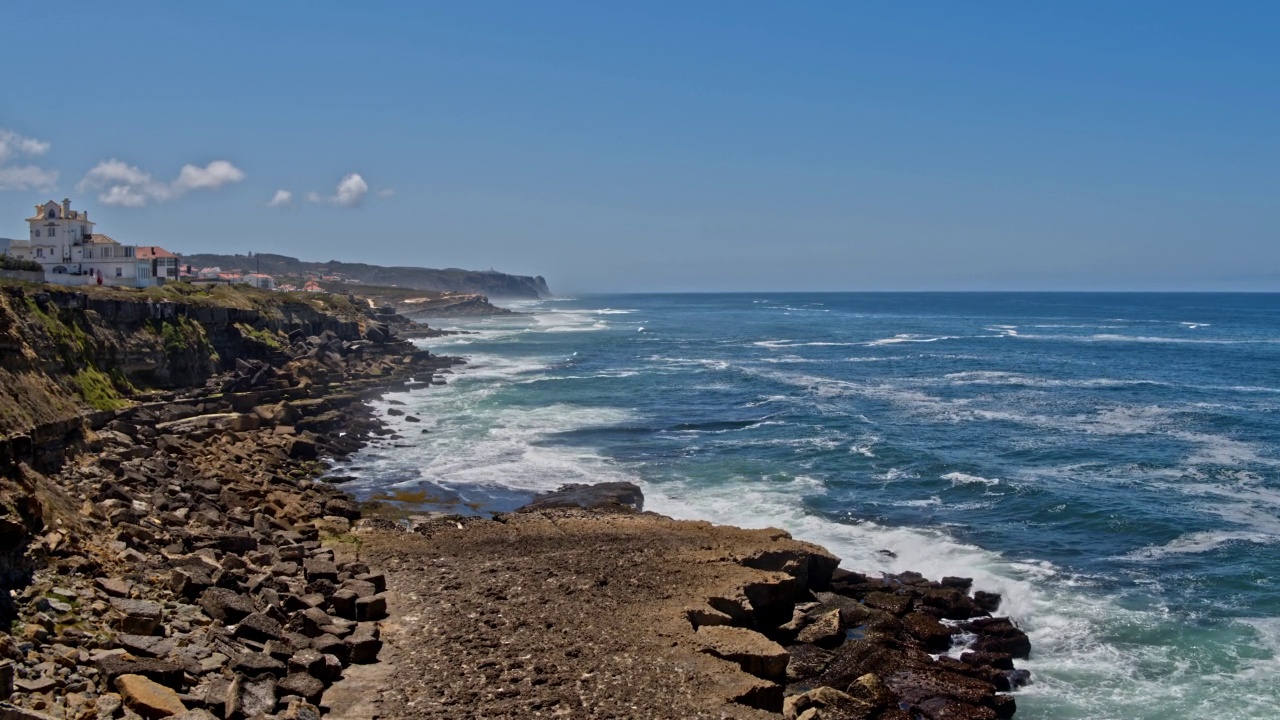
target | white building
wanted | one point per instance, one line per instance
(62, 240)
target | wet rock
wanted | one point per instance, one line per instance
(999, 635)
(894, 604)
(933, 635)
(987, 601)
(619, 496)
(807, 662)
(148, 698)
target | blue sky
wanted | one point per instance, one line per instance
(668, 146)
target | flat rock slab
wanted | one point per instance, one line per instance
(564, 613)
(148, 698)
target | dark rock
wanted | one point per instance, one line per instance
(161, 671)
(137, 617)
(363, 648)
(303, 685)
(933, 635)
(254, 663)
(226, 606)
(620, 496)
(259, 627)
(988, 601)
(895, 604)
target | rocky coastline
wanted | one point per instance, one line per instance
(180, 558)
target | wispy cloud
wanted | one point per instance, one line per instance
(23, 177)
(282, 198)
(119, 183)
(385, 192)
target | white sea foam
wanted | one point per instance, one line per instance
(959, 478)
(909, 338)
(1199, 542)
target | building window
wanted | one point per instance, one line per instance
(119, 272)
(39, 252)
(35, 233)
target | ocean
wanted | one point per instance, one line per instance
(1108, 462)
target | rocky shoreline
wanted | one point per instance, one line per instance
(182, 560)
(182, 556)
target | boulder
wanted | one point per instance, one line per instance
(247, 697)
(825, 631)
(226, 606)
(137, 617)
(148, 698)
(826, 703)
(617, 496)
(303, 685)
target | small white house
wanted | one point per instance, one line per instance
(62, 240)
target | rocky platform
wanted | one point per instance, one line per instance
(556, 611)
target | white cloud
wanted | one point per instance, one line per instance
(122, 184)
(282, 198)
(314, 197)
(351, 191)
(23, 177)
(12, 145)
(27, 177)
(212, 176)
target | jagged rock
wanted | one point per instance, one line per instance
(894, 604)
(13, 712)
(303, 685)
(826, 703)
(148, 698)
(161, 671)
(150, 646)
(988, 601)
(247, 697)
(226, 606)
(603, 496)
(137, 617)
(999, 635)
(256, 663)
(259, 627)
(933, 635)
(300, 711)
(826, 631)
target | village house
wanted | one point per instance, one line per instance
(164, 264)
(62, 240)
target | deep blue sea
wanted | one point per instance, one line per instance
(1108, 462)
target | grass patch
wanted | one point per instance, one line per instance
(98, 390)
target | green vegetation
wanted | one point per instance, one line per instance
(8, 262)
(266, 337)
(97, 389)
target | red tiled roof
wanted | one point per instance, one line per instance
(146, 252)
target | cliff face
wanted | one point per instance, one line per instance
(493, 284)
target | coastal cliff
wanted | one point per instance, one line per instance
(170, 553)
(476, 282)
